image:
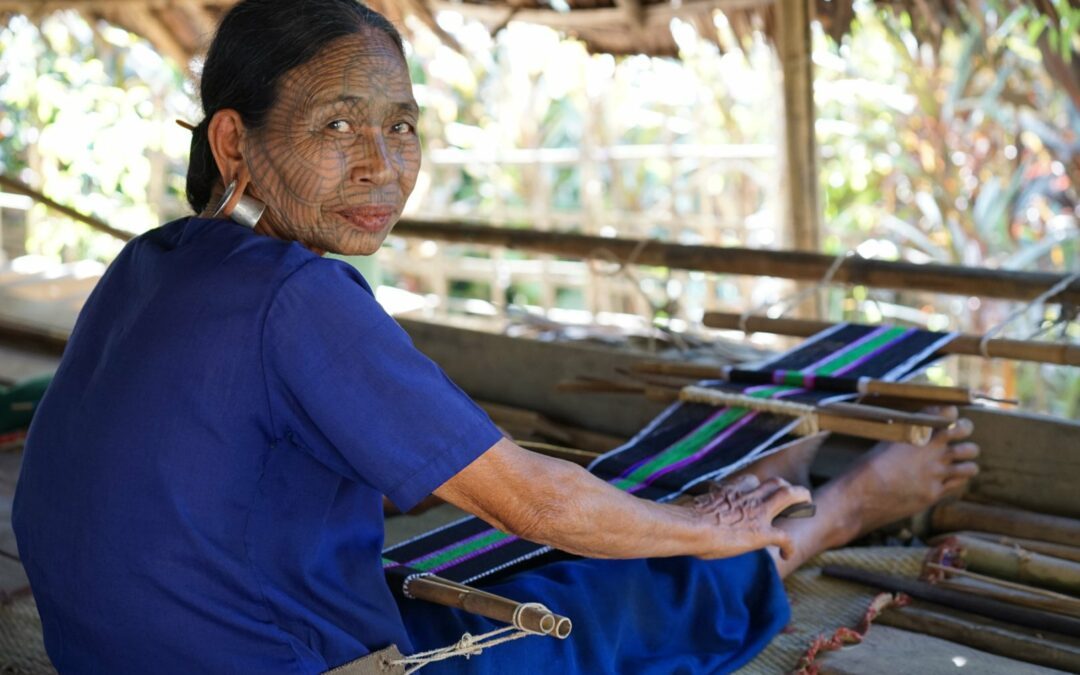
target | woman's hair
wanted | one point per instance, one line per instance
(257, 42)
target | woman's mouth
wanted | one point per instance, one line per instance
(371, 218)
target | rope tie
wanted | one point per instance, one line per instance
(472, 645)
(795, 299)
(984, 341)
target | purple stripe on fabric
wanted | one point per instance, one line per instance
(444, 549)
(697, 455)
(888, 345)
(478, 552)
(637, 465)
(866, 338)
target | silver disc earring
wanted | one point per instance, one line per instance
(247, 211)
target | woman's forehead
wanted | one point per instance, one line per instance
(366, 65)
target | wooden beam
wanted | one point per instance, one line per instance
(654, 15)
(100, 225)
(802, 211)
(798, 265)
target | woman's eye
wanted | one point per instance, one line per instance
(340, 126)
(402, 128)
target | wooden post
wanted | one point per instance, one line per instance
(801, 210)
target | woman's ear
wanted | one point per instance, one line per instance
(225, 133)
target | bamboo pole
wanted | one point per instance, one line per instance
(526, 616)
(1020, 350)
(100, 225)
(999, 589)
(1047, 548)
(798, 265)
(989, 636)
(1022, 616)
(1014, 563)
(963, 515)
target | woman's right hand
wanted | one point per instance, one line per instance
(741, 515)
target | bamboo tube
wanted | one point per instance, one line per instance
(1000, 348)
(797, 265)
(863, 386)
(987, 635)
(963, 515)
(527, 616)
(1023, 616)
(1046, 548)
(1006, 591)
(1017, 564)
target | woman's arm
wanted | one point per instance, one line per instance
(553, 502)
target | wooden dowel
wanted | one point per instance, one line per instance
(1019, 350)
(963, 515)
(1024, 616)
(1014, 563)
(451, 594)
(797, 265)
(987, 635)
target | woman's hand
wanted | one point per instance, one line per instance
(741, 514)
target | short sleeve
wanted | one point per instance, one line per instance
(348, 385)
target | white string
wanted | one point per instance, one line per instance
(470, 645)
(797, 298)
(984, 341)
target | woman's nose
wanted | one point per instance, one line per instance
(372, 162)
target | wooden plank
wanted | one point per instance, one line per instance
(892, 651)
(1029, 461)
(523, 373)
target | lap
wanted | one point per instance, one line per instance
(662, 615)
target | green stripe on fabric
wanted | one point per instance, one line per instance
(847, 357)
(682, 449)
(794, 379)
(460, 550)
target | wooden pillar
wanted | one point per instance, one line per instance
(802, 212)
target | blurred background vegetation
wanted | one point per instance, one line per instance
(960, 150)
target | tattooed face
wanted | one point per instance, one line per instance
(338, 155)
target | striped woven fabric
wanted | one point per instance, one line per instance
(687, 444)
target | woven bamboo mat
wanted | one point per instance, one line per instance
(21, 648)
(820, 605)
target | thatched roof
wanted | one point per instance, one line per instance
(181, 29)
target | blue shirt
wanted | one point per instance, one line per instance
(202, 484)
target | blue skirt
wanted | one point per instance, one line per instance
(652, 616)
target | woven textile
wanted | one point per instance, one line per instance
(687, 444)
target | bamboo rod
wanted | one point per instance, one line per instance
(527, 616)
(1014, 563)
(999, 348)
(963, 515)
(100, 225)
(1023, 616)
(986, 635)
(579, 457)
(799, 265)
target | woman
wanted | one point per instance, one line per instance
(202, 485)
